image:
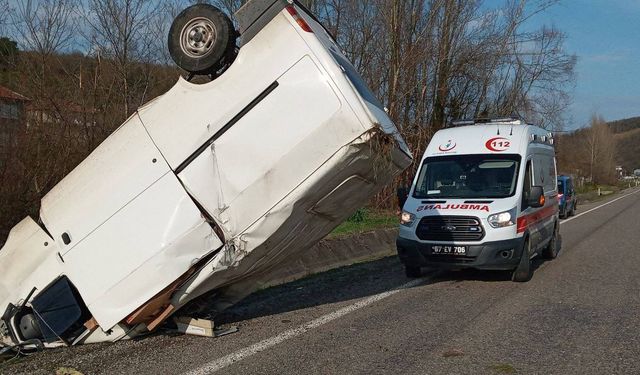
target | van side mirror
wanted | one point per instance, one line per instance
(536, 197)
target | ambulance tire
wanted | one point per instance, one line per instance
(202, 39)
(552, 249)
(412, 272)
(524, 271)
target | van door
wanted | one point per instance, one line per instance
(131, 229)
(271, 150)
(548, 212)
(526, 210)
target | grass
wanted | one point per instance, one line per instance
(365, 220)
(589, 192)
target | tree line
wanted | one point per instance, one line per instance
(86, 65)
(594, 152)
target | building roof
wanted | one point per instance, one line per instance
(5, 93)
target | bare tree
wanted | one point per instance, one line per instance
(44, 29)
(4, 16)
(429, 61)
(121, 33)
(44, 24)
(600, 147)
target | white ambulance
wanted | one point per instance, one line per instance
(484, 197)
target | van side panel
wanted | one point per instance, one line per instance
(188, 115)
(121, 168)
(28, 248)
(144, 247)
(238, 179)
(544, 174)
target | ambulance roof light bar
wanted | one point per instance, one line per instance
(511, 120)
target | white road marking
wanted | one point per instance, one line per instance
(595, 208)
(241, 354)
(232, 358)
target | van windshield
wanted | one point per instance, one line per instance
(468, 176)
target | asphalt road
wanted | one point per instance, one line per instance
(578, 315)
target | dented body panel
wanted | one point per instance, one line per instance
(203, 188)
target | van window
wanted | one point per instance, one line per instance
(526, 187)
(468, 176)
(544, 172)
(553, 173)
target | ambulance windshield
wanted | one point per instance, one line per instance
(468, 176)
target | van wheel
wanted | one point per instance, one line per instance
(523, 272)
(202, 39)
(551, 251)
(412, 272)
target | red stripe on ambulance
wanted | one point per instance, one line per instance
(527, 220)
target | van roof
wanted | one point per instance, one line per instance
(489, 120)
(511, 137)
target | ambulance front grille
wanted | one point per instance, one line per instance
(450, 228)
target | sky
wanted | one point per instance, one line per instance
(605, 35)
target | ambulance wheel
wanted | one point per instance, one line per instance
(412, 272)
(523, 272)
(551, 251)
(202, 39)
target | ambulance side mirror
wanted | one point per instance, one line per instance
(536, 197)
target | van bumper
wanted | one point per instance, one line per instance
(498, 255)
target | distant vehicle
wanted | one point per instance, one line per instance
(567, 198)
(204, 187)
(484, 197)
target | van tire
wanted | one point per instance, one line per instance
(202, 39)
(523, 272)
(412, 272)
(552, 249)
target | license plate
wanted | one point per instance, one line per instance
(448, 250)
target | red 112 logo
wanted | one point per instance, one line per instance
(498, 144)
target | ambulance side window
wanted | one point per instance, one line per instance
(526, 189)
(548, 179)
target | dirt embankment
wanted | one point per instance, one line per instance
(337, 252)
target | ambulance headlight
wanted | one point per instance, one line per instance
(407, 218)
(503, 219)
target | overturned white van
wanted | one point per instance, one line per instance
(484, 197)
(206, 186)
